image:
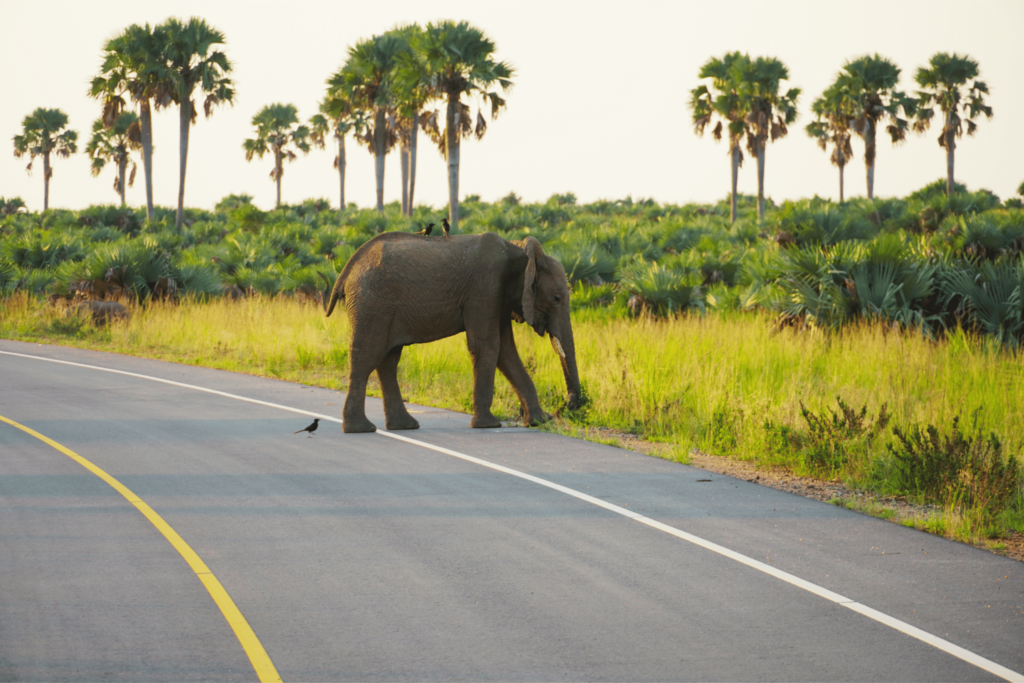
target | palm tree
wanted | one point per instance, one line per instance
(43, 133)
(414, 88)
(133, 66)
(337, 116)
(944, 84)
(14, 205)
(723, 103)
(871, 81)
(115, 144)
(768, 111)
(367, 81)
(193, 64)
(834, 112)
(276, 130)
(459, 60)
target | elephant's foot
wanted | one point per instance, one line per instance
(357, 425)
(487, 421)
(535, 418)
(406, 421)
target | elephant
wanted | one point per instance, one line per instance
(403, 288)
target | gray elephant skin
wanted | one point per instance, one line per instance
(401, 289)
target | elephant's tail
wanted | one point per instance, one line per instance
(332, 296)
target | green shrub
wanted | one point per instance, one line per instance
(818, 221)
(654, 290)
(43, 249)
(989, 298)
(233, 201)
(9, 276)
(590, 296)
(583, 261)
(935, 189)
(958, 470)
(833, 438)
(124, 219)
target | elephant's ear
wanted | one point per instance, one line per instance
(534, 251)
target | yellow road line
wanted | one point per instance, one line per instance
(265, 668)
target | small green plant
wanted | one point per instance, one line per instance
(679, 453)
(1013, 515)
(72, 325)
(961, 471)
(721, 431)
(274, 363)
(833, 437)
(304, 355)
(779, 440)
(338, 357)
(581, 414)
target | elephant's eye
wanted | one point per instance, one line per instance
(557, 298)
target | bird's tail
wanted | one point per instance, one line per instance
(299, 432)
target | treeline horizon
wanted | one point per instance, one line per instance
(383, 95)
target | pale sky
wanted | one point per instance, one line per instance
(599, 106)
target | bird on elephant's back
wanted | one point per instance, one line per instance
(401, 289)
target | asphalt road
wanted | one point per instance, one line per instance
(364, 557)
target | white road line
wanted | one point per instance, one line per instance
(882, 618)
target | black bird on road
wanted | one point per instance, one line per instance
(311, 428)
(447, 228)
(426, 230)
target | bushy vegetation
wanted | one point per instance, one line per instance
(735, 338)
(928, 262)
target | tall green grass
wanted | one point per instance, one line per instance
(727, 384)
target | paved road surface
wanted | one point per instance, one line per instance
(363, 557)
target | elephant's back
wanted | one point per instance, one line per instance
(397, 251)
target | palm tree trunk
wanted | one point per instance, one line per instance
(950, 146)
(379, 151)
(184, 124)
(735, 177)
(869, 156)
(46, 181)
(341, 171)
(451, 153)
(403, 153)
(122, 166)
(146, 119)
(278, 170)
(761, 144)
(412, 159)
(841, 198)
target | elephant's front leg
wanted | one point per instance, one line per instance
(484, 350)
(395, 414)
(512, 367)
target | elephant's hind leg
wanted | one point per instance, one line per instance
(363, 361)
(485, 358)
(395, 414)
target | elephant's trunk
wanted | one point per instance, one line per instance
(565, 347)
